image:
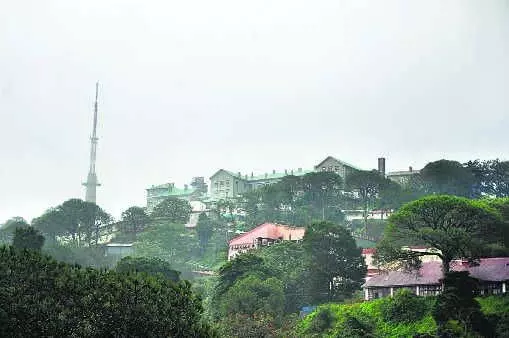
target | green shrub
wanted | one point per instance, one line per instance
(323, 321)
(404, 307)
(356, 327)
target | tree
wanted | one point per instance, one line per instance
(323, 191)
(368, 184)
(457, 302)
(448, 177)
(234, 270)
(134, 220)
(287, 261)
(82, 223)
(336, 266)
(455, 227)
(27, 238)
(205, 229)
(42, 297)
(252, 295)
(175, 210)
(491, 177)
(7, 230)
(149, 265)
(51, 223)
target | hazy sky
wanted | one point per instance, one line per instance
(188, 87)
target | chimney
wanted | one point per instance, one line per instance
(292, 172)
(252, 174)
(410, 169)
(172, 186)
(286, 172)
(239, 174)
(381, 166)
(273, 172)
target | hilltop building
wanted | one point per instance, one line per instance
(402, 177)
(332, 164)
(157, 194)
(225, 184)
(263, 235)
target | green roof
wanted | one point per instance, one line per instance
(169, 190)
(278, 175)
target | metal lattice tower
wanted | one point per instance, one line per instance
(91, 184)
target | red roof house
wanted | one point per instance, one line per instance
(263, 235)
(492, 273)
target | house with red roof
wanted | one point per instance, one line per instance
(265, 234)
(492, 274)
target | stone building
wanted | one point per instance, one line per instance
(332, 164)
(226, 184)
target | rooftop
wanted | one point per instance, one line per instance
(489, 269)
(169, 189)
(269, 230)
(403, 173)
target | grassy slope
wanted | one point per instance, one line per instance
(370, 312)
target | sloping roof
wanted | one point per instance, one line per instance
(169, 190)
(346, 164)
(489, 269)
(277, 175)
(225, 171)
(269, 230)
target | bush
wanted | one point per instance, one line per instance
(404, 307)
(323, 321)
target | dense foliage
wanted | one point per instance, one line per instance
(173, 210)
(27, 238)
(456, 227)
(336, 268)
(42, 297)
(149, 265)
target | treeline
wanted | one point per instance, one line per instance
(43, 297)
(323, 195)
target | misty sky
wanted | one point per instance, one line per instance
(188, 87)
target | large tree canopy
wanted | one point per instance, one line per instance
(28, 238)
(175, 210)
(41, 297)
(82, 223)
(457, 227)
(134, 221)
(448, 177)
(336, 268)
(149, 265)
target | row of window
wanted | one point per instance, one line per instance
(335, 169)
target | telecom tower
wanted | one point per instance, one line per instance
(91, 184)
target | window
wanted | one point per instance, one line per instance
(227, 183)
(336, 168)
(324, 169)
(429, 290)
(330, 168)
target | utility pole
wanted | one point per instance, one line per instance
(91, 184)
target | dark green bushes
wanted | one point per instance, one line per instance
(404, 307)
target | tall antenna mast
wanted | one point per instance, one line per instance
(91, 184)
